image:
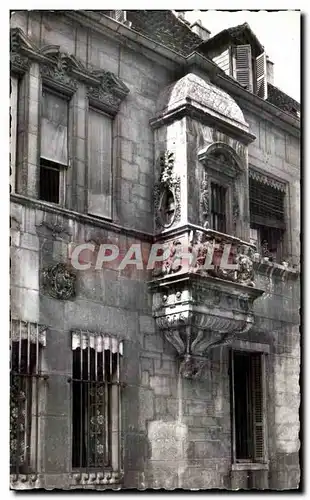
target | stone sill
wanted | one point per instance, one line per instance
(93, 481)
(83, 218)
(249, 466)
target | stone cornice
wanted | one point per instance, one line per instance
(174, 60)
(80, 217)
(65, 71)
(203, 115)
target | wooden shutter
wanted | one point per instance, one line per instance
(232, 405)
(261, 76)
(258, 407)
(244, 66)
(54, 128)
(13, 132)
(99, 164)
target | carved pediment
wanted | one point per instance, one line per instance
(65, 70)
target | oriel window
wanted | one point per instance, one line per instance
(54, 147)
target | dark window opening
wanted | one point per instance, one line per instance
(248, 406)
(95, 375)
(49, 181)
(218, 207)
(24, 359)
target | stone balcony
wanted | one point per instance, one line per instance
(203, 292)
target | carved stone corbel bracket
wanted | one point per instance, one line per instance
(199, 313)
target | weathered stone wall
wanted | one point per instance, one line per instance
(277, 152)
(176, 433)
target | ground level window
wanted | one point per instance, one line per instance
(96, 402)
(25, 376)
(247, 406)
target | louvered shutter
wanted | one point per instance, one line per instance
(118, 15)
(261, 76)
(258, 407)
(99, 164)
(244, 66)
(233, 403)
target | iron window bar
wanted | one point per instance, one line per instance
(96, 399)
(26, 341)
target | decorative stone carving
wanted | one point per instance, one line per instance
(66, 70)
(59, 281)
(168, 187)
(204, 201)
(59, 72)
(110, 92)
(265, 179)
(235, 210)
(191, 367)
(196, 311)
(245, 274)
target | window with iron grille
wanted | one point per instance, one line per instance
(247, 396)
(267, 216)
(54, 147)
(26, 341)
(96, 403)
(218, 207)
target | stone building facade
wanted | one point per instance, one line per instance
(135, 129)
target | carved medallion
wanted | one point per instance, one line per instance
(59, 282)
(167, 199)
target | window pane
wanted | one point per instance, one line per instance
(92, 386)
(49, 182)
(218, 207)
(99, 164)
(23, 358)
(54, 128)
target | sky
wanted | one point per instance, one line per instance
(278, 32)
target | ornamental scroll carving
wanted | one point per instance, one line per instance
(59, 281)
(204, 201)
(206, 259)
(65, 70)
(167, 188)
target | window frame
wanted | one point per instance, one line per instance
(63, 169)
(222, 181)
(94, 106)
(248, 348)
(33, 337)
(282, 226)
(114, 407)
